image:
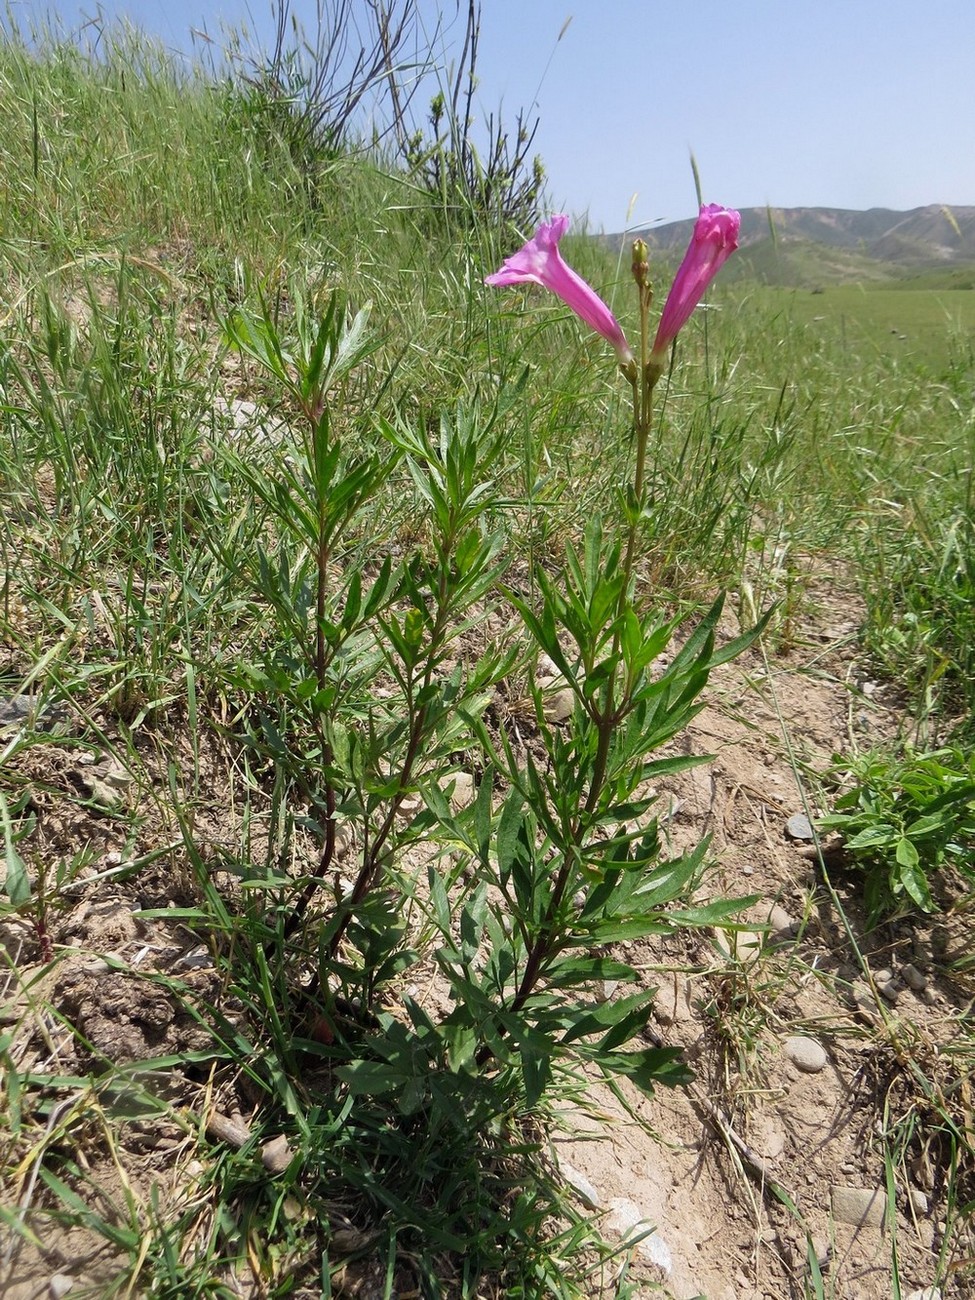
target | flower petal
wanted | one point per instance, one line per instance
(540, 262)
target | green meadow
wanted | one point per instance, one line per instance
(927, 329)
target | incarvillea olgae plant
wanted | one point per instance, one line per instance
(371, 704)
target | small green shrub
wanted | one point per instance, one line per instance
(903, 820)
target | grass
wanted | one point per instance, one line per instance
(157, 593)
(928, 330)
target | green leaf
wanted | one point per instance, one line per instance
(906, 853)
(871, 838)
(915, 884)
(506, 839)
(372, 1078)
(623, 1016)
(536, 1065)
(18, 882)
(647, 1068)
(482, 817)
(439, 899)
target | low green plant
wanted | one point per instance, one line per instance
(367, 698)
(905, 819)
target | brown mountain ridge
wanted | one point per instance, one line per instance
(803, 245)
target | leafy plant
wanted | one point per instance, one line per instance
(903, 820)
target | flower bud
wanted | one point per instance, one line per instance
(641, 262)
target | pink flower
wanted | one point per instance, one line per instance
(715, 238)
(540, 262)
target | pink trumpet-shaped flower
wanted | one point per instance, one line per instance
(540, 262)
(715, 238)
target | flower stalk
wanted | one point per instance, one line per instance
(714, 239)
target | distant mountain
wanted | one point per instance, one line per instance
(809, 246)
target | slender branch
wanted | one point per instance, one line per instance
(373, 858)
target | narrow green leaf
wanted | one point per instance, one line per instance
(508, 832)
(18, 882)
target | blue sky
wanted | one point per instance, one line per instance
(795, 103)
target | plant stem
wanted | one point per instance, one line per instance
(371, 858)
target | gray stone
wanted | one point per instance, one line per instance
(798, 827)
(913, 978)
(925, 1293)
(890, 992)
(739, 945)
(919, 1200)
(59, 1285)
(16, 710)
(557, 707)
(859, 1206)
(238, 416)
(276, 1155)
(862, 994)
(805, 1053)
(198, 958)
(106, 784)
(783, 925)
(459, 789)
(626, 1219)
(581, 1185)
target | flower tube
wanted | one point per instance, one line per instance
(715, 238)
(540, 262)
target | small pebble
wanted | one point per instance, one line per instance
(627, 1218)
(890, 992)
(739, 945)
(783, 925)
(805, 1053)
(459, 788)
(558, 706)
(196, 959)
(926, 1293)
(919, 1200)
(929, 996)
(859, 1206)
(798, 827)
(913, 978)
(276, 1155)
(59, 1285)
(861, 994)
